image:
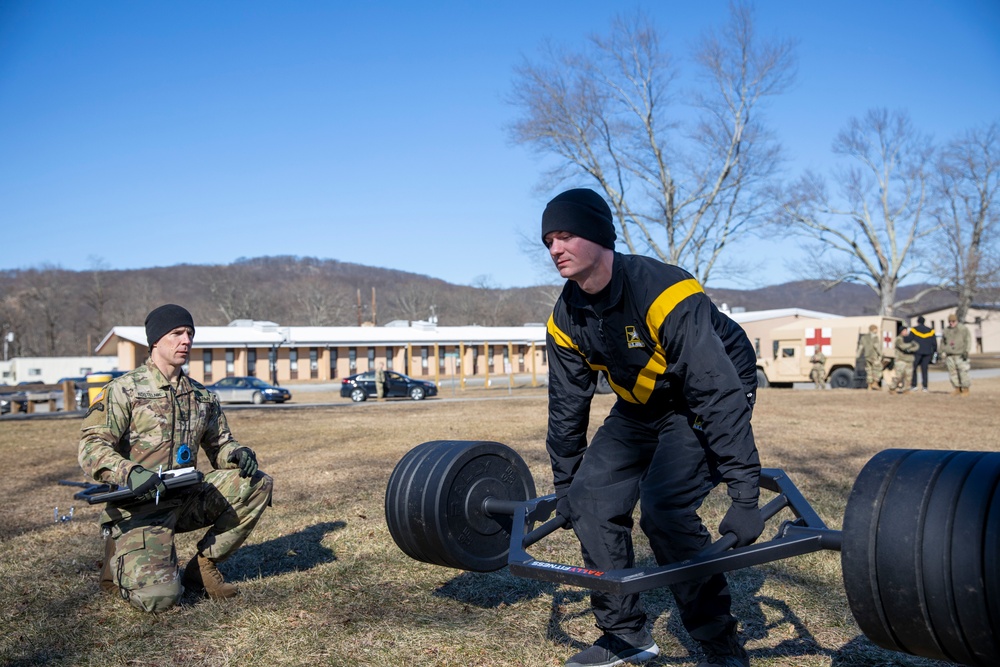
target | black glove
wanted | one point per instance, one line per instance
(145, 484)
(743, 520)
(246, 460)
(562, 507)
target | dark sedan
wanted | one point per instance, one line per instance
(359, 387)
(248, 390)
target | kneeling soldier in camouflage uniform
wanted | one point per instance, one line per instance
(155, 419)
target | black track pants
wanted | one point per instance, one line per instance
(921, 362)
(664, 465)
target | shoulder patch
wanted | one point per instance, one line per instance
(98, 407)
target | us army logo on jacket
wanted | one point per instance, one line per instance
(632, 337)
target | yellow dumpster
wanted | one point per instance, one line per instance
(96, 382)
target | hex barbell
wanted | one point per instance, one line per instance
(920, 545)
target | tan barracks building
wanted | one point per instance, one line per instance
(279, 354)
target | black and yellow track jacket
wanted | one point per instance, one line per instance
(663, 345)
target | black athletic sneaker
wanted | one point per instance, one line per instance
(611, 650)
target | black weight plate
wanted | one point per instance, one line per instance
(858, 545)
(402, 500)
(463, 535)
(936, 545)
(991, 564)
(968, 541)
(898, 565)
(434, 499)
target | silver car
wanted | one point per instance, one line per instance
(248, 390)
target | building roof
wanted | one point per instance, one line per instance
(266, 334)
(775, 313)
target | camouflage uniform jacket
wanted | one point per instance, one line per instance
(905, 349)
(818, 361)
(955, 340)
(869, 347)
(140, 418)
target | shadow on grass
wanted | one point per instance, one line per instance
(296, 552)
(492, 590)
(749, 606)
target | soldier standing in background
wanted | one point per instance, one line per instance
(870, 347)
(905, 347)
(927, 341)
(152, 419)
(955, 345)
(380, 382)
(818, 372)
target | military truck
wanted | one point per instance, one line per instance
(794, 344)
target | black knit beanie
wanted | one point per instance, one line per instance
(165, 319)
(582, 212)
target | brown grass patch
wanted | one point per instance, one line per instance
(323, 583)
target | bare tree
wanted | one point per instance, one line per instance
(967, 187)
(867, 234)
(681, 190)
(321, 303)
(412, 300)
(235, 297)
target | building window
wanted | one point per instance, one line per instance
(230, 362)
(206, 362)
(442, 355)
(333, 363)
(489, 357)
(371, 358)
(389, 354)
(293, 363)
(86, 371)
(423, 360)
(34, 372)
(352, 358)
(252, 362)
(313, 363)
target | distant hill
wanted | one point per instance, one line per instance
(53, 312)
(844, 299)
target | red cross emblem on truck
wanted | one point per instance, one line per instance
(818, 339)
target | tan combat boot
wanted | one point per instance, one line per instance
(107, 581)
(965, 391)
(957, 391)
(202, 574)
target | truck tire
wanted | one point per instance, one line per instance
(842, 378)
(761, 379)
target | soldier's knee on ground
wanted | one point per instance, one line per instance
(156, 598)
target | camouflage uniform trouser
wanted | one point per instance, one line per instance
(816, 375)
(145, 563)
(873, 370)
(958, 371)
(903, 369)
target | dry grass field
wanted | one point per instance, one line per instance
(323, 583)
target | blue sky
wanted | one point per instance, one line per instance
(156, 133)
